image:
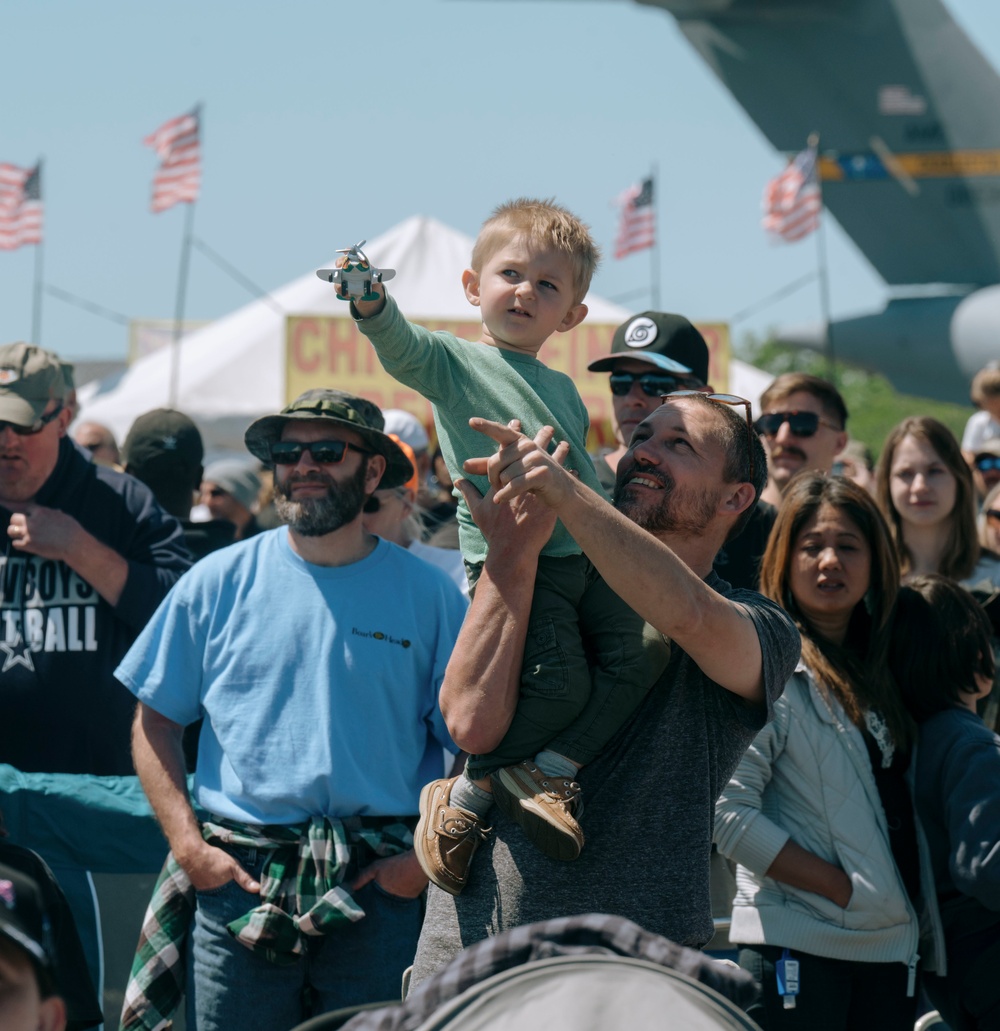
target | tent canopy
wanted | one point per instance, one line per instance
(233, 370)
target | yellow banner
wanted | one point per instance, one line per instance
(330, 351)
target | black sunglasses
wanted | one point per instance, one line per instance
(329, 452)
(993, 515)
(802, 424)
(36, 427)
(652, 384)
(987, 462)
(723, 399)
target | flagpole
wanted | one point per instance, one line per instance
(654, 254)
(823, 275)
(36, 309)
(36, 313)
(175, 347)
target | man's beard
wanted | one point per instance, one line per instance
(670, 510)
(314, 517)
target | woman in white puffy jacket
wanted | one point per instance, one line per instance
(818, 815)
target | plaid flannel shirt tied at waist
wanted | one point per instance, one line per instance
(301, 894)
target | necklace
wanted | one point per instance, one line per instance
(879, 730)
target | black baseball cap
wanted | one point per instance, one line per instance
(23, 918)
(662, 339)
(163, 439)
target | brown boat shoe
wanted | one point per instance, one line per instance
(446, 837)
(546, 807)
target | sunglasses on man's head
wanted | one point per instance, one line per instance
(722, 399)
(987, 463)
(652, 384)
(329, 452)
(802, 424)
(36, 427)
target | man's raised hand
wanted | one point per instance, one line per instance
(522, 465)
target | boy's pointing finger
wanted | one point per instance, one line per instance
(498, 431)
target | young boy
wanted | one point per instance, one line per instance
(589, 660)
(985, 424)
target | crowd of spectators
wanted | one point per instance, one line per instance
(289, 627)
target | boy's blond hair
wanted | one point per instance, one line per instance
(543, 223)
(985, 384)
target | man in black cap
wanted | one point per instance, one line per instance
(28, 999)
(315, 652)
(164, 449)
(90, 555)
(653, 354)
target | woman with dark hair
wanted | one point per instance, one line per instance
(818, 815)
(941, 658)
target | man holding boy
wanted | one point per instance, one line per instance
(690, 478)
(589, 659)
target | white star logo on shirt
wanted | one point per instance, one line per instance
(16, 654)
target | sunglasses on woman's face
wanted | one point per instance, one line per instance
(801, 424)
(987, 463)
(993, 516)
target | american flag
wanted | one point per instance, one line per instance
(178, 147)
(20, 206)
(637, 228)
(792, 200)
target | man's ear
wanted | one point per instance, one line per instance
(842, 438)
(376, 467)
(574, 317)
(63, 419)
(738, 500)
(52, 1014)
(470, 284)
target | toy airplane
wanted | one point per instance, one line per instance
(354, 279)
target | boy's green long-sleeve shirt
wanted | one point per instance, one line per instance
(462, 379)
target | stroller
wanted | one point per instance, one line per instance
(583, 972)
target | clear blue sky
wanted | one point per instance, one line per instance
(327, 121)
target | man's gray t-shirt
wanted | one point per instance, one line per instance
(648, 814)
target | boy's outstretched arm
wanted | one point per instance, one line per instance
(481, 684)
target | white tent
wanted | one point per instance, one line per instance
(232, 370)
